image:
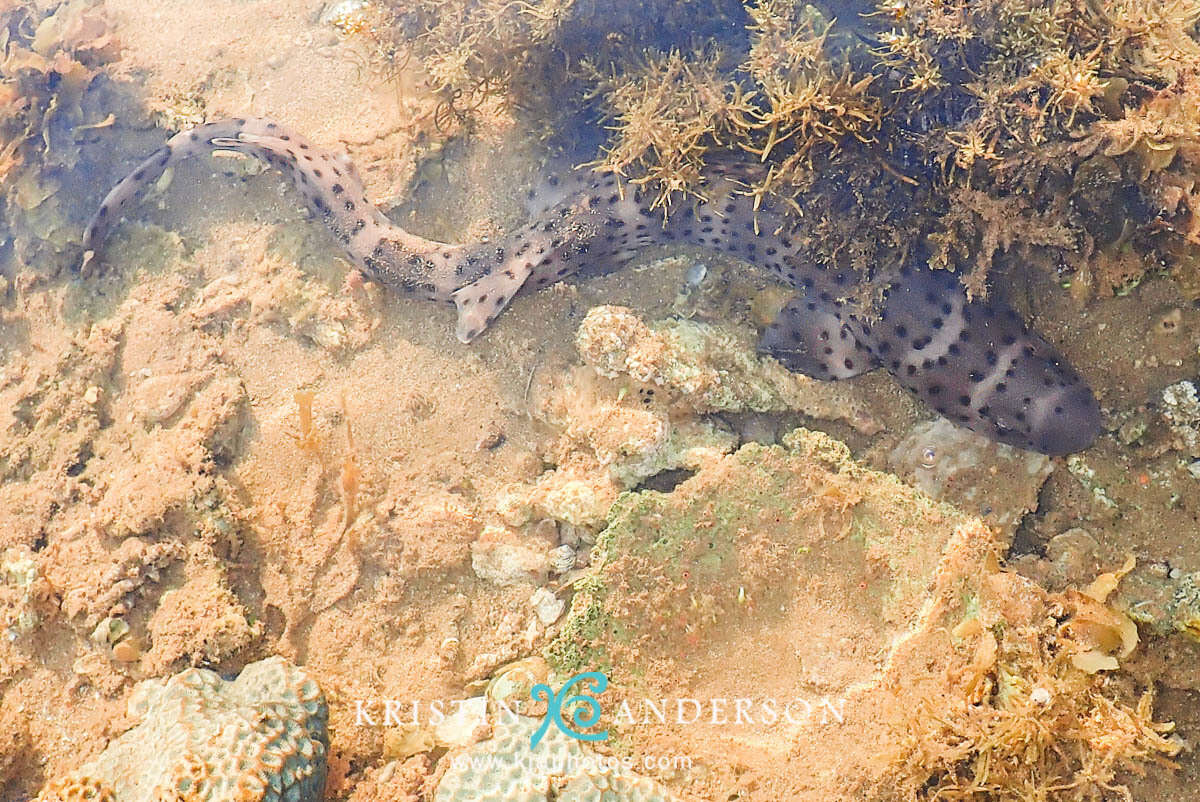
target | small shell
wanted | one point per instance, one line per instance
(562, 558)
(448, 648)
(110, 631)
(929, 457)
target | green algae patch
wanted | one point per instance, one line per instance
(730, 546)
(579, 645)
(789, 572)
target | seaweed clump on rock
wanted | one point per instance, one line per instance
(528, 55)
(783, 100)
(1059, 130)
(49, 57)
(1031, 715)
(1064, 134)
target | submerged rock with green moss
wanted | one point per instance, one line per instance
(735, 540)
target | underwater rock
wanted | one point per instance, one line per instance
(739, 536)
(871, 592)
(574, 497)
(997, 482)
(202, 621)
(561, 769)
(616, 424)
(1166, 601)
(500, 559)
(547, 606)
(713, 367)
(1073, 556)
(260, 738)
(1181, 408)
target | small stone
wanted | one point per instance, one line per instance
(507, 563)
(161, 398)
(126, 652)
(75, 602)
(492, 439)
(547, 606)
(1073, 554)
(462, 726)
(91, 395)
(576, 536)
(1170, 323)
(109, 631)
(405, 741)
(512, 505)
(1131, 431)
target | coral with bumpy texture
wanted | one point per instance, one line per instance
(505, 769)
(259, 738)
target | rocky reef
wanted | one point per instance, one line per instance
(743, 546)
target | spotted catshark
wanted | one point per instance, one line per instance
(972, 360)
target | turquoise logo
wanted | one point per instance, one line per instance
(587, 707)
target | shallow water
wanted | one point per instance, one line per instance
(227, 442)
